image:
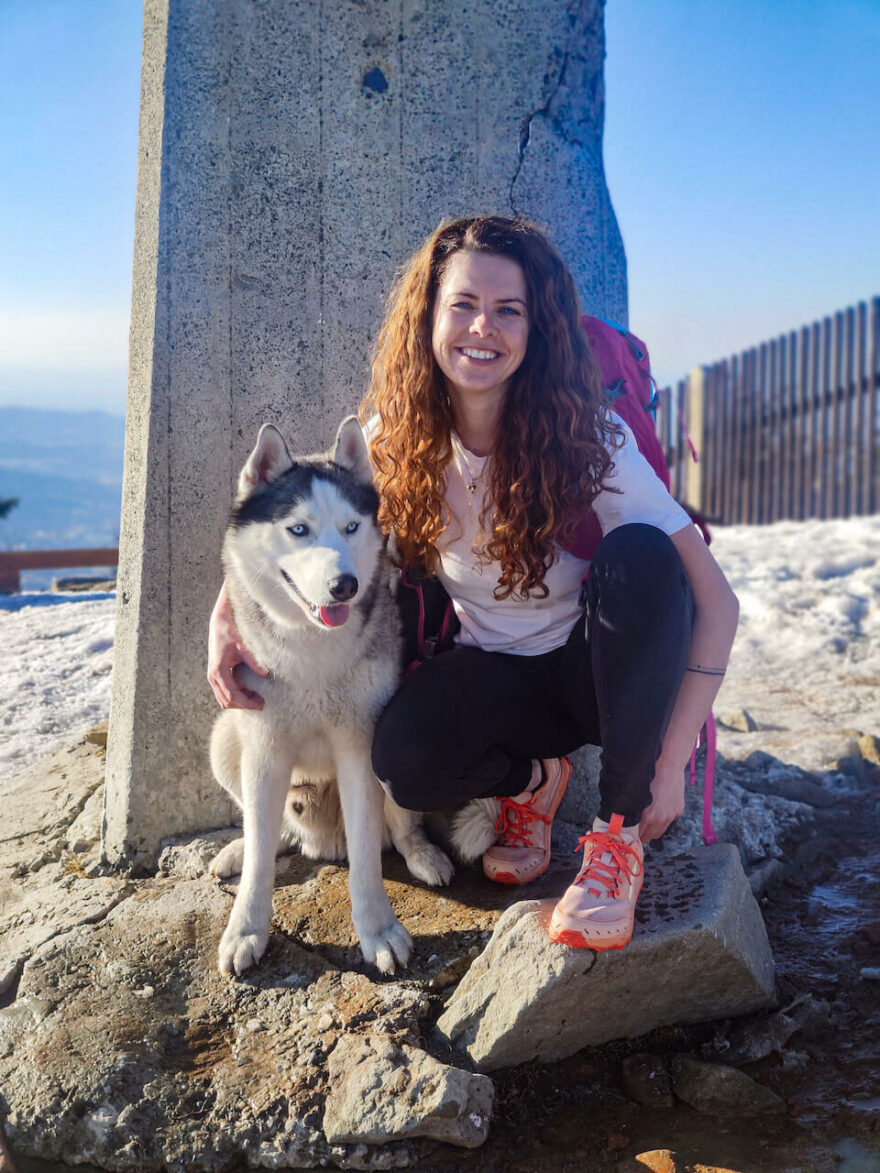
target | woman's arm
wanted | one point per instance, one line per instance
(225, 652)
(715, 619)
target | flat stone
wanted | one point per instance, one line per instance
(381, 1091)
(700, 952)
(126, 1048)
(40, 805)
(45, 888)
(718, 1090)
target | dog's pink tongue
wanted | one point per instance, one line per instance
(335, 616)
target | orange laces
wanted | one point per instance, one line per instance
(624, 858)
(513, 822)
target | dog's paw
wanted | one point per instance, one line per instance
(240, 948)
(473, 828)
(430, 865)
(229, 860)
(386, 947)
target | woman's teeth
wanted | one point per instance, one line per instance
(481, 354)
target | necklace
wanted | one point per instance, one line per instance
(473, 478)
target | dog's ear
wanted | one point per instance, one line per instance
(350, 450)
(269, 460)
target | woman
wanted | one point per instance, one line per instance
(491, 440)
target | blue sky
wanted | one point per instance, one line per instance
(741, 149)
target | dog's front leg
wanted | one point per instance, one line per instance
(265, 781)
(384, 940)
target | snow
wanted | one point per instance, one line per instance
(806, 664)
(57, 653)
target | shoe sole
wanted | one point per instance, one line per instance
(509, 877)
(577, 940)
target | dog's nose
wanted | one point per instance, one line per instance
(343, 588)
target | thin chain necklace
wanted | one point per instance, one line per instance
(471, 481)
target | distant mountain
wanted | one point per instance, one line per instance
(66, 469)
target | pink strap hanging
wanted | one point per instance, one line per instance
(708, 739)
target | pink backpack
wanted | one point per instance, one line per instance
(626, 377)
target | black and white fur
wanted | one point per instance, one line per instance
(302, 549)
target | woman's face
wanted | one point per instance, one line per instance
(480, 325)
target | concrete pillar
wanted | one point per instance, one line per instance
(292, 154)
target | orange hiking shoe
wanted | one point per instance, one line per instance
(522, 852)
(597, 910)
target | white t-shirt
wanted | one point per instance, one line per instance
(534, 626)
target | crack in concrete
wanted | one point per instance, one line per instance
(12, 978)
(579, 24)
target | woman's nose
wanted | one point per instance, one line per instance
(482, 323)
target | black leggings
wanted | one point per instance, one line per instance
(468, 723)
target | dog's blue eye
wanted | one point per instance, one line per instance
(299, 530)
(352, 527)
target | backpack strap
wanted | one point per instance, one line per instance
(708, 739)
(428, 618)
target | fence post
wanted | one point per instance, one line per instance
(694, 481)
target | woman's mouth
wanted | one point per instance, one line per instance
(475, 355)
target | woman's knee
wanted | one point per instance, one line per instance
(638, 566)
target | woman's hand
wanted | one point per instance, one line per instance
(225, 652)
(667, 803)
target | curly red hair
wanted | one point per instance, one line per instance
(551, 451)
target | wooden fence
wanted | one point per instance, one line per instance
(788, 429)
(12, 562)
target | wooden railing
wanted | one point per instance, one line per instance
(788, 429)
(12, 562)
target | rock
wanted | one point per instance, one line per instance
(870, 973)
(94, 1067)
(700, 952)
(42, 803)
(750, 1041)
(655, 1160)
(188, 856)
(767, 775)
(854, 766)
(97, 735)
(667, 1161)
(717, 1090)
(741, 720)
(381, 1091)
(646, 1080)
(763, 874)
(869, 748)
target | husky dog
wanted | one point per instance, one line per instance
(309, 581)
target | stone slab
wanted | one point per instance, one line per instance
(125, 1048)
(700, 952)
(381, 1091)
(53, 814)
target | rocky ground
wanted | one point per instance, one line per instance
(120, 1044)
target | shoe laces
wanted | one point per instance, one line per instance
(513, 824)
(624, 858)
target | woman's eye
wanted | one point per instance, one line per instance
(510, 309)
(299, 530)
(352, 527)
